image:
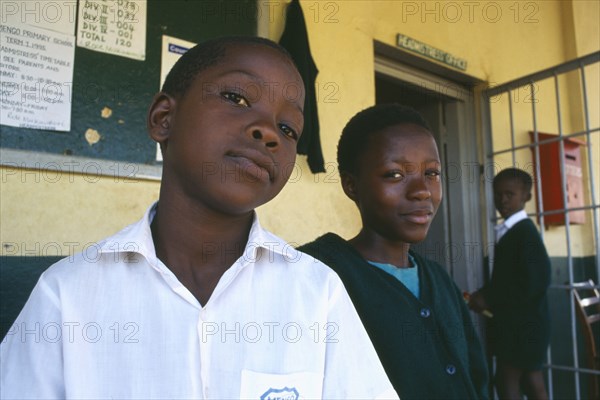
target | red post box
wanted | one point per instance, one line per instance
(552, 184)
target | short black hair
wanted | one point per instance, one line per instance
(515, 174)
(363, 125)
(207, 54)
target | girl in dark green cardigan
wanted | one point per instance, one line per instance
(414, 313)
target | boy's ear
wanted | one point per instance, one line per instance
(159, 117)
(528, 197)
(349, 185)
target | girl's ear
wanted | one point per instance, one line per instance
(349, 185)
(159, 118)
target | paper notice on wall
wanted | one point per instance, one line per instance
(172, 49)
(36, 77)
(56, 16)
(113, 26)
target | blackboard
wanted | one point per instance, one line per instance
(126, 86)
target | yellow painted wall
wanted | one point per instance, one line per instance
(500, 40)
(587, 29)
(51, 213)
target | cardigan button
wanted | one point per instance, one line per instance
(450, 369)
(425, 312)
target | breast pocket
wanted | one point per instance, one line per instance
(261, 386)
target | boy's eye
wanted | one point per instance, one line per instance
(289, 131)
(433, 174)
(236, 98)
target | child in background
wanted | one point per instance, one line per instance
(414, 313)
(197, 300)
(519, 332)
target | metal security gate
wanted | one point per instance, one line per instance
(547, 123)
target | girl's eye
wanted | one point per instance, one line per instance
(394, 175)
(289, 131)
(236, 98)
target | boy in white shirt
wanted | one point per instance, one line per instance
(197, 300)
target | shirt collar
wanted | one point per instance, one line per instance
(513, 219)
(137, 238)
(261, 241)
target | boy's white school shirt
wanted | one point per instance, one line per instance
(508, 223)
(113, 322)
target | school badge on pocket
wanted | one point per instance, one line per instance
(280, 394)
(295, 386)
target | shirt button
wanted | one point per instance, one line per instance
(425, 312)
(450, 369)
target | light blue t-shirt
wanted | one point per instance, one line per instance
(409, 277)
